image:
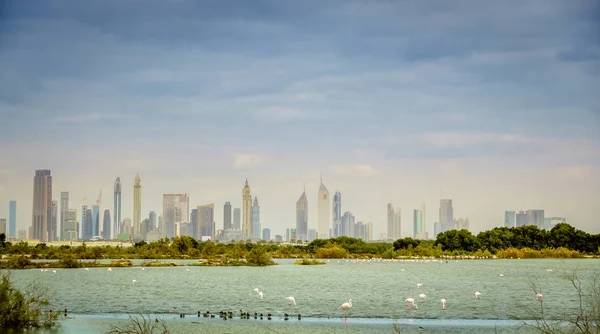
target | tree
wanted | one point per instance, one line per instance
(25, 309)
(140, 325)
(404, 243)
(258, 257)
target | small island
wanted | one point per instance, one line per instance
(308, 262)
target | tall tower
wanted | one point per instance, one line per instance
(64, 206)
(302, 217)
(227, 216)
(246, 212)
(324, 215)
(256, 219)
(176, 210)
(237, 218)
(117, 210)
(12, 220)
(337, 214)
(446, 214)
(54, 219)
(41, 223)
(106, 225)
(390, 221)
(137, 206)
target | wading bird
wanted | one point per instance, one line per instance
(422, 296)
(410, 303)
(259, 293)
(443, 304)
(419, 285)
(539, 297)
(134, 281)
(477, 294)
(291, 300)
(344, 308)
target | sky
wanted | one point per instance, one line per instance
(495, 105)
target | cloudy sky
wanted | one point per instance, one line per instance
(497, 103)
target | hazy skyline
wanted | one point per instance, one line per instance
(494, 102)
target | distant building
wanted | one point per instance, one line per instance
(437, 229)
(22, 235)
(117, 209)
(194, 229)
(126, 227)
(312, 234)
(206, 222)
(394, 222)
(41, 225)
(536, 217)
(137, 207)
(12, 219)
(95, 221)
(256, 230)
(70, 225)
(302, 217)
(153, 221)
(418, 224)
(176, 209)
(237, 218)
(461, 224)
(446, 214)
(522, 219)
(88, 232)
(364, 231)
(510, 219)
(278, 238)
(227, 216)
(348, 222)
(247, 211)
(55, 224)
(106, 235)
(290, 234)
(337, 214)
(64, 206)
(231, 235)
(266, 234)
(83, 232)
(550, 222)
(323, 211)
(153, 236)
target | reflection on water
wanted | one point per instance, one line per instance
(377, 288)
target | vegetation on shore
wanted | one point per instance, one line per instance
(308, 262)
(563, 241)
(25, 308)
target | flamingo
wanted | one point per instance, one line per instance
(477, 294)
(54, 271)
(291, 300)
(344, 308)
(411, 303)
(549, 270)
(134, 281)
(422, 296)
(109, 269)
(259, 293)
(501, 275)
(419, 285)
(86, 269)
(142, 268)
(443, 304)
(539, 297)
(187, 270)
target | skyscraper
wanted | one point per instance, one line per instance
(70, 225)
(227, 216)
(195, 230)
(424, 235)
(41, 225)
(394, 222)
(348, 222)
(95, 231)
(247, 212)
(324, 215)
(237, 218)
(536, 217)
(206, 222)
(84, 227)
(417, 224)
(256, 219)
(12, 220)
(54, 219)
(137, 206)
(88, 225)
(522, 219)
(446, 214)
(117, 209)
(106, 225)
(302, 217)
(337, 214)
(510, 219)
(266, 234)
(176, 210)
(64, 206)
(153, 222)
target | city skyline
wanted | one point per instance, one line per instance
(390, 100)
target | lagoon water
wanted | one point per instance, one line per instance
(98, 298)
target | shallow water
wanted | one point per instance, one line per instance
(98, 297)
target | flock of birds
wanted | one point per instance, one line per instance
(344, 308)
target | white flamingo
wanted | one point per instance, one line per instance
(419, 285)
(109, 269)
(443, 304)
(187, 270)
(539, 297)
(344, 308)
(54, 271)
(477, 294)
(549, 270)
(501, 275)
(86, 269)
(259, 293)
(142, 268)
(411, 303)
(422, 296)
(134, 281)
(291, 300)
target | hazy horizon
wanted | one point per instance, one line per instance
(496, 103)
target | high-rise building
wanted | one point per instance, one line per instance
(137, 206)
(510, 219)
(417, 224)
(88, 225)
(64, 206)
(394, 222)
(550, 222)
(437, 229)
(247, 212)
(117, 209)
(147, 227)
(106, 225)
(536, 217)
(95, 221)
(348, 222)
(70, 225)
(302, 217)
(176, 209)
(41, 225)
(522, 219)
(227, 216)
(368, 232)
(323, 211)
(312, 234)
(194, 229)
(84, 223)
(424, 222)
(256, 219)
(126, 226)
(291, 234)
(22, 235)
(54, 219)
(206, 222)
(337, 214)
(446, 214)
(12, 219)
(237, 218)
(461, 224)
(266, 234)
(153, 222)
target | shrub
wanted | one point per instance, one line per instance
(333, 252)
